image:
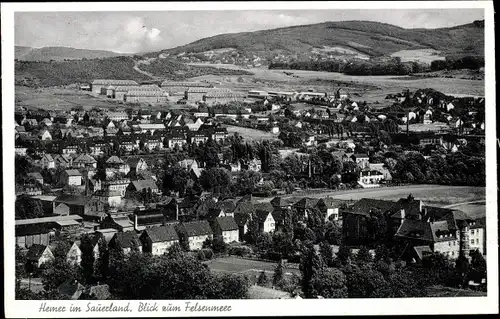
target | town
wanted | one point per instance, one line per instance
(104, 194)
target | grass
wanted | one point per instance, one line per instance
(240, 265)
(250, 134)
(434, 195)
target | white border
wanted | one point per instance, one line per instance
(477, 305)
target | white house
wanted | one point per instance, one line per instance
(267, 223)
(195, 233)
(226, 228)
(157, 240)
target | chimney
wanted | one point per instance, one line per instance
(176, 210)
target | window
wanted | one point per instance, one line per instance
(472, 241)
(472, 231)
(449, 243)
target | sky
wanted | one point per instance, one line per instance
(141, 31)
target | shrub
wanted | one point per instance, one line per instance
(208, 253)
(240, 251)
(200, 255)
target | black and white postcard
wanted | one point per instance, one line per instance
(249, 158)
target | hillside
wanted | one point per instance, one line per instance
(55, 73)
(363, 38)
(60, 54)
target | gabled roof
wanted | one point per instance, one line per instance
(264, 206)
(85, 158)
(365, 205)
(162, 234)
(262, 215)
(196, 228)
(70, 199)
(126, 239)
(226, 223)
(241, 219)
(36, 251)
(132, 161)
(421, 251)
(71, 289)
(306, 203)
(330, 202)
(244, 207)
(139, 185)
(73, 172)
(114, 160)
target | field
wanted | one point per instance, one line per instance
(435, 195)
(370, 88)
(419, 127)
(476, 210)
(423, 55)
(58, 98)
(245, 266)
(250, 134)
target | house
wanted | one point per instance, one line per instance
(69, 149)
(71, 177)
(116, 185)
(275, 129)
(195, 233)
(136, 164)
(188, 164)
(39, 254)
(109, 197)
(361, 159)
(157, 240)
(266, 220)
(71, 289)
(47, 161)
(329, 207)
(20, 150)
(255, 165)
(45, 135)
(115, 165)
(143, 185)
(305, 206)
(176, 140)
(370, 178)
(84, 160)
(126, 241)
(73, 253)
(226, 228)
(382, 169)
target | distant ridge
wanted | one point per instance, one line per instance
(61, 53)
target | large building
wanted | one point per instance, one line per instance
(100, 86)
(212, 98)
(175, 87)
(145, 96)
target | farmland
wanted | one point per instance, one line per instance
(250, 134)
(422, 55)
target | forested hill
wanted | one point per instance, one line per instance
(369, 38)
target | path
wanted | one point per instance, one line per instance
(465, 203)
(136, 67)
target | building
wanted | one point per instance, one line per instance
(47, 161)
(84, 160)
(329, 207)
(117, 185)
(20, 150)
(157, 240)
(39, 255)
(136, 164)
(36, 177)
(226, 228)
(100, 87)
(88, 207)
(109, 197)
(266, 221)
(73, 253)
(126, 241)
(71, 177)
(175, 87)
(305, 206)
(143, 185)
(370, 178)
(119, 221)
(115, 165)
(212, 98)
(151, 128)
(145, 96)
(195, 233)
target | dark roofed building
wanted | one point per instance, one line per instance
(127, 241)
(226, 228)
(195, 233)
(157, 240)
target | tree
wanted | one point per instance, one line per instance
(26, 208)
(264, 242)
(330, 283)
(363, 256)
(175, 179)
(344, 255)
(247, 181)
(88, 259)
(310, 265)
(333, 233)
(253, 229)
(326, 253)
(262, 280)
(279, 272)
(216, 180)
